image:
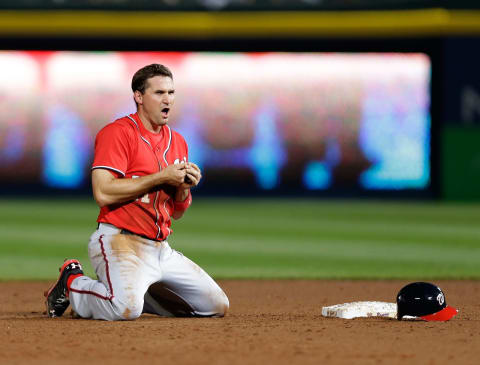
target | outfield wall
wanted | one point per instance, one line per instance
(448, 39)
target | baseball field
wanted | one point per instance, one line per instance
(279, 262)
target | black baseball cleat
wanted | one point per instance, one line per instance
(57, 296)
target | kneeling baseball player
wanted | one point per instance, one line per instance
(141, 178)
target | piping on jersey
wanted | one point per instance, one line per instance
(159, 230)
(168, 146)
(108, 168)
(166, 162)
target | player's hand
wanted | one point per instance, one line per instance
(174, 174)
(193, 175)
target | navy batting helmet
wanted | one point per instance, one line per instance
(423, 300)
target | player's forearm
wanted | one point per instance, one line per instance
(110, 190)
(121, 190)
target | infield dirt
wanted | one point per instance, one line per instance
(269, 322)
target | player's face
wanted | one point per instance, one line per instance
(157, 100)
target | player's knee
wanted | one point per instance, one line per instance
(132, 312)
(129, 310)
(215, 304)
(222, 304)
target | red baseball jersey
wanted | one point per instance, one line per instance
(128, 150)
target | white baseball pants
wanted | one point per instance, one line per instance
(137, 275)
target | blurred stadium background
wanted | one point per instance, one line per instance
(338, 138)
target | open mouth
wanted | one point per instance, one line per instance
(165, 112)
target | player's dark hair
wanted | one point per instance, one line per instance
(140, 79)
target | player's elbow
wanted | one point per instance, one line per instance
(101, 181)
(101, 199)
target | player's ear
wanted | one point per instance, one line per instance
(138, 96)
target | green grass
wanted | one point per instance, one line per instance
(265, 238)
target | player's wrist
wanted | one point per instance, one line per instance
(181, 194)
(161, 178)
(182, 205)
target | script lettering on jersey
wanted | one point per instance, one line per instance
(177, 161)
(145, 199)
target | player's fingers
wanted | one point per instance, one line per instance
(191, 179)
(195, 172)
(189, 183)
(175, 170)
(181, 175)
(194, 166)
(177, 175)
(190, 173)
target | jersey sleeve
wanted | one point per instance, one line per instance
(112, 149)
